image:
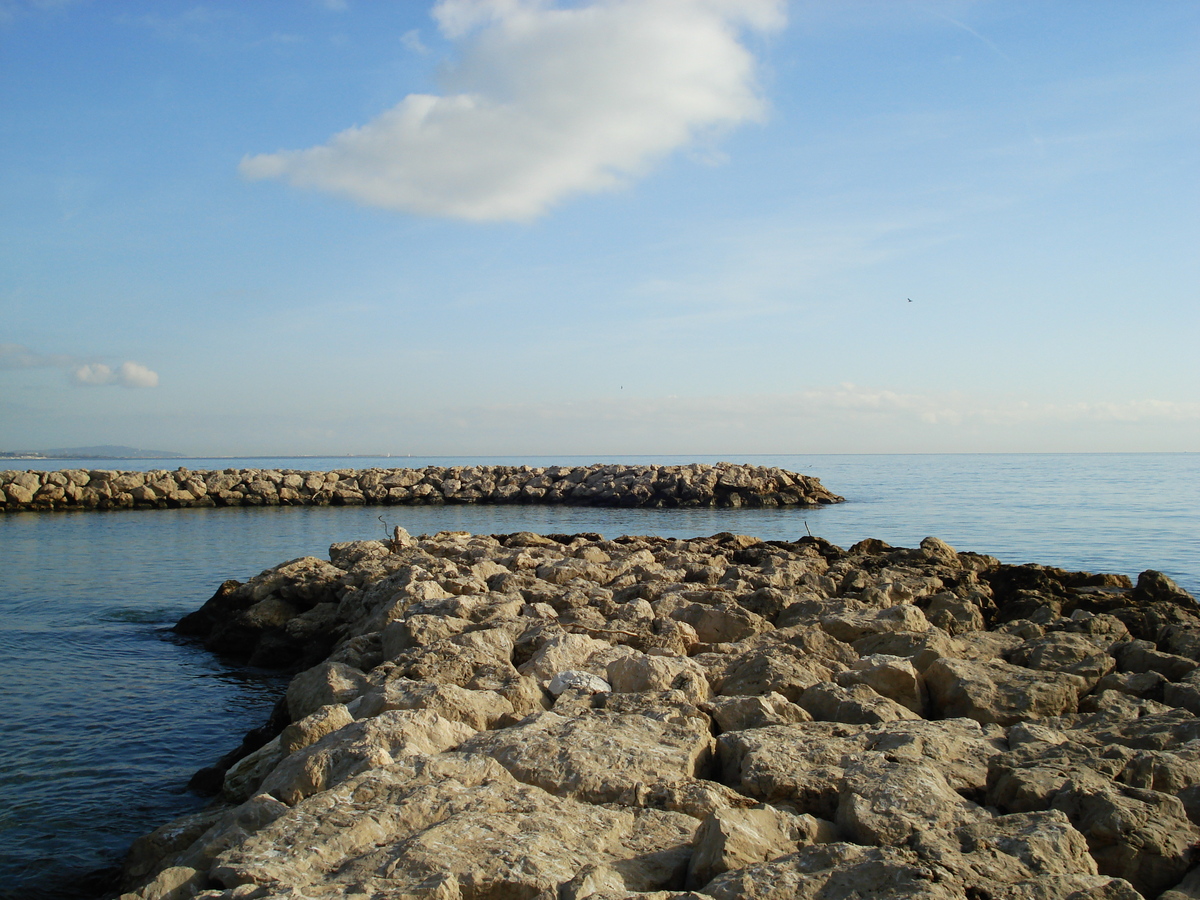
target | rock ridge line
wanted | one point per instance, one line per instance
(651, 486)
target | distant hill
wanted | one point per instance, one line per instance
(106, 451)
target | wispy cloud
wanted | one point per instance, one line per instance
(831, 418)
(16, 356)
(91, 374)
(546, 102)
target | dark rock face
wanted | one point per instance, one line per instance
(566, 716)
(721, 485)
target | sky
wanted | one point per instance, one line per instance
(485, 227)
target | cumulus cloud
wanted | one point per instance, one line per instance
(546, 101)
(128, 374)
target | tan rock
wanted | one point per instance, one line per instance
(563, 652)
(600, 758)
(853, 626)
(364, 744)
(996, 691)
(836, 871)
(639, 673)
(1142, 836)
(313, 727)
(894, 677)
(324, 684)
(452, 825)
(854, 705)
(733, 838)
(737, 713)
(478, 709)
(887, 803)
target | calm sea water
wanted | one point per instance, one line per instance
(107, 715)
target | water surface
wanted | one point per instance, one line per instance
(108, 715)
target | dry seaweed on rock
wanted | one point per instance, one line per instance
(565, 716)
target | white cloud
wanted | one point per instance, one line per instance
(93, 373)
(135, 375)
(128, 374)
(546, 102)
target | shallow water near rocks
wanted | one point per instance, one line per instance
(108, 715)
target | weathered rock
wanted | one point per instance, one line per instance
(854, 705)
(853, 626)
(835, 871)
(451, 821)
(893, 677)
(1140, 835)
(886, 803)
(737, 713)
(366, 744)
(995, 691)
(421, 760)
(600, 757)
(641, 673)
(322, 685)
(733, 838)
(480, 710)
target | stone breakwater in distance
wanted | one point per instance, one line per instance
(696, 485)
(564, 717)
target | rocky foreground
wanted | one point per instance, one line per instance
(525, 716)
(695, 485)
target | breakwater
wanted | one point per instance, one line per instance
(721, 485)
(570, 717)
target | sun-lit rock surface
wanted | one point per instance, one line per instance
(564, 716)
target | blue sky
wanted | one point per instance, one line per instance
(600, 226)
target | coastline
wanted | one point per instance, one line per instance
(773, 714)
(723, 485)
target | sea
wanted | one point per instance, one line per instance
(107, 713)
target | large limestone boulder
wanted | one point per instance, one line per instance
(366, 744)
(894, 677)
(642, 673)
(480, 710)
(857, 704)
(836, 871)
(776, 669)
(885, 803)
(738, 713)
(1140, 835)
(324, 684)
(601, 757)
(565, 652)
(451, 826)
(999, 692)
(798, 765)
(733, 838)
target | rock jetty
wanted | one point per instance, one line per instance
(564, 717)
(696, 485)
